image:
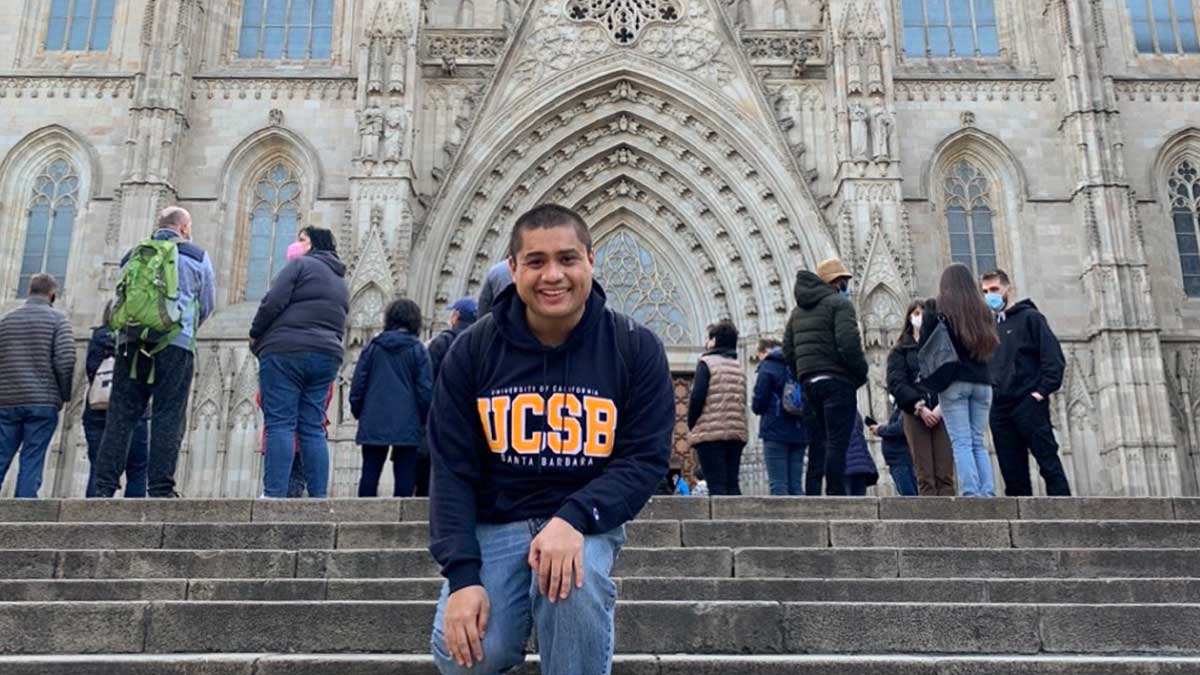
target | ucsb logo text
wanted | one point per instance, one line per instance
(563, 423)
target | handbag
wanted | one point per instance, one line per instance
(937, 359)
(100, 389)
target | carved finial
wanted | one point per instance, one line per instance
(275, 117)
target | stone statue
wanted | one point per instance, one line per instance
(375, 67)
(881, 132)
(370, 128)
(858, 132)
(874, 70)
(397, 67)
(449, 65)
(393, 134)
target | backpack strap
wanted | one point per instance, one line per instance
(625, 331)
(481, 336)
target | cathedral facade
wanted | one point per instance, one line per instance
(715, 147)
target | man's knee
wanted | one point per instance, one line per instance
(501, 650)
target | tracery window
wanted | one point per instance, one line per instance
(638, 286)
(969, 217)
(1184, 189)
(51, 219)
(274, 222)
(286, 29)
(624, 19)
(79, 25)
(1164, 26)
(964, 28)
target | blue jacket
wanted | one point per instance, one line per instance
(531, 431)
(197, 286)
(391, 390)
(891, 436)
(775, 425)
(858, 456)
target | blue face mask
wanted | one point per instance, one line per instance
(995, 301)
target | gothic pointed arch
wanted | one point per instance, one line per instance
(1175, 174)
(47, 182)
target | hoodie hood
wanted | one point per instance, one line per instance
(810, 290)
(508, 311)
(1026, 304)
(330, 258)
(395, 340)
(776, 354)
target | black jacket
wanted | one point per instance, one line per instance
(822, 335)
(1029, 358)
(439, 345)
(967, 369)
(903, 371)
(775, 425)
(391, 390)
(305, 309)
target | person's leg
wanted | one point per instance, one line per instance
(712, 462)
(1038, 431)
(575, 636)
(126, 403)
(280, 383)
(1011, 453)
(733, 467)
(172, 386)
(36, 431)
(981, 407)
(956, 410)
(506, 577)
(373, 459)
(93, 431)
(296, 484)
(943, 461)
(137, 467)
(319, 372)
(856, 485)
(422, 473)
(404, 468)
(920, 444)
(840, 408)
(900, 466)
(795, 469)
(775, 456)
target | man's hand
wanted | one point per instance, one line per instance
(554, 555)
(874, 429)
(465, 624)
(1038, 397)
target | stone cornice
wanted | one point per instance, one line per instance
(976, 90)
(304, 88)
(1157, 90)
(41, 86)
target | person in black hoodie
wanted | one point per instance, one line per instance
(462, 314)
(1026, 369)
(550, 428)
(389, 396)
(101, 346)
(297, 336)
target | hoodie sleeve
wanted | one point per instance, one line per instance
(893, 430)
(438, 347)
(358, 385)
(208, 290)
(1053, 363)
(64, 357)
(424, 382)
(899, 386)
(699, 394)
(642, 453)
(454, 439)
(789, 352)
(764, 390)
(276, 300)
(849, 341)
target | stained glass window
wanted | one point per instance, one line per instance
(79, 25)
(286, 29)
(1184, 189)
(1164, 26)
(965, 28)
(274, 222)
(50, 221)
(638, 286)
(969, 217)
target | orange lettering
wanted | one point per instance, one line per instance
(496, 434)
(567, 435)
(530, 444)
(601, 426)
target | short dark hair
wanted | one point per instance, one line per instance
(42, 284)
(724, 334)
(997, 274)
(402, 314)
(320, 238)
(767, 344)
(544, 217)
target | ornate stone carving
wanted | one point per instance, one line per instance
(307, 88)
(66, 87)
(784, 47)
(393, 134)
(623, 20)
(480, 47)
(275, 117)
(975, 90)
(859, 132)
(966, 119)
(1162, 90)
(370, 129)
(882, 122)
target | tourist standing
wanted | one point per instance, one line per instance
(823, 345)
(1026, 369)
(101, 347)
(861, 472)
(37, 365)
(960, 375)
(782, 432)
(463, 313)
(297, 336)
(896, 453)
(924, 428)
(498, 278)
(716, 419)
(389, 396)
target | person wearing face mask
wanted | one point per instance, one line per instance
(921, 418)
(823, 346)
(1026, 369)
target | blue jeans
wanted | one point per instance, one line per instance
(575, 636)
(137, 464)
(28, 428)
(294, 386)
(785, 467)
(900, 466)
(965, 407)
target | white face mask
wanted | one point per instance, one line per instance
(915, 320)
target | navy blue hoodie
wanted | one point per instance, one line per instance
(593, 461)
(391, 389)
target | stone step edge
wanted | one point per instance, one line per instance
(801, 659)
(655, 603)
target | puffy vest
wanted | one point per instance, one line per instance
(724, 416)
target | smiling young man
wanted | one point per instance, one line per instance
(551, 427)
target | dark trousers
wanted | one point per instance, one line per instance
(423, 470)
(856, 485)
(94, 422)
(404, 469)
(721, 462)
(172, 368)
(1019, 429)
(831, 406)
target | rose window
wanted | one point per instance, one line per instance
(624, 19)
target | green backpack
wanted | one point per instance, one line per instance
(146, 310)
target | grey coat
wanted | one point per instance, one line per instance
(305, 309)
(37, 356)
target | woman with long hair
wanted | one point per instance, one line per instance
(965, 387)
(921, 415)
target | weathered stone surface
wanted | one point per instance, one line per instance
(383, 535)
(289, 536)
(87, 590)
(675, 562)
(1187, 508)
(795, 508)
(1094, 591)
(27, 564)
(654, 533)
(948, 508)
(29, 510)
(71, 628)
(911, 628)
(1159, 629)
(804, 590)
(790, 664)
(80, 535)
(365, 564)
(700, 627)
(359, 664)
(139, 664)
(414, 509)
(947, 563)
(758, 533)
(1144, 534)
(919, 534)
(1096, 508)
(383, 589)
(327, 510)
(156, 510)
(1094, 563)
(258, 590)
(675, 508)
(176, 564)
(813, 563)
